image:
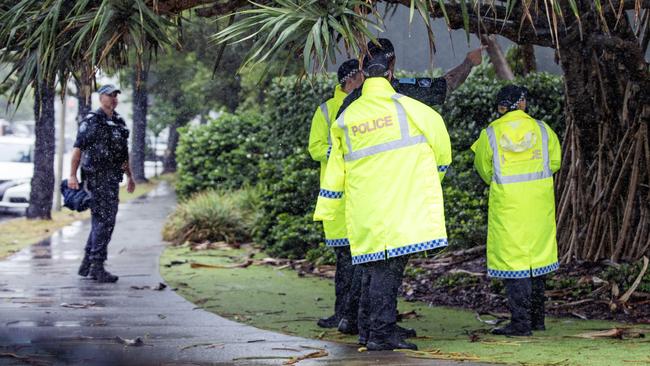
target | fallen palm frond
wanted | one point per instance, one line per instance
(437, 354)
(614, 333)
(318, 354)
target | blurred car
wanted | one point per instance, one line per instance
(16, 170)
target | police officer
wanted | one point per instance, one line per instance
(428, 91)
(389, 154)
(350, 77)
(517, 156)
(101, 148)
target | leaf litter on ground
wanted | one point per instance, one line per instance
(614, 333)
(437, 354)
(81, 305)
(318, 354)
(136, 342)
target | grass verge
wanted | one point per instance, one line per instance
(19, 233)
(282, 301)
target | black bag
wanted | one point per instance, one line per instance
(76, 199)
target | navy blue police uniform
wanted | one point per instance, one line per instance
(103, 142)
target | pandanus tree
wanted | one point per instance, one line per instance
(603, 207)
(46, 42)
(603, 200)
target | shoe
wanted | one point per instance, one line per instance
(348, 327)
(84, 268)
(405, 332)
(363, 340)
(390, 345)
(331, 322)
(99, 274)
(538, 327)
(511, 330)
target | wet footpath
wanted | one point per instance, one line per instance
(51, 316)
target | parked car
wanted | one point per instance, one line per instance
(16, 170)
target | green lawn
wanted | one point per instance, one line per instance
(19, 233)
(282, 301)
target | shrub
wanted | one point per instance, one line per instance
(321, 255)
(215, 216)
(290, 104)
(223, 154)
(284, 224)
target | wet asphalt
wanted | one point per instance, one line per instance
(51, 316)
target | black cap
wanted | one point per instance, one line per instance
(376, 64)
(108, 89)
(347, 70)
(510, 96)
(385, 45)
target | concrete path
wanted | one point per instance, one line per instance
(51, 316)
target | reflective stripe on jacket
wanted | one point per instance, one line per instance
(517, 156)
(389, 154)
(319, 149)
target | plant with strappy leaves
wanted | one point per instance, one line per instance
(44, 40)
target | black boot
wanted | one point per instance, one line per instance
(537, 304)
(393, 342)
(331, 322)
(99, 274)
(84, 268)
(511, 330)
(348, 327)
(519, 292)
(405, 332)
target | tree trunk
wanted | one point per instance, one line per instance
(169, 162)
(604, 185)
(527, 52)
(497, 58)
(84, 102)
(42, 183)
(139, 140)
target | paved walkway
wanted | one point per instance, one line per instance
(51, 316)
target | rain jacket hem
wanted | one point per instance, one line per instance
(343, 242)
(536, 272)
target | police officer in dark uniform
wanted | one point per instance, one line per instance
(430, 91)
(102, 150)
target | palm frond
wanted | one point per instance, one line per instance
(312, 28)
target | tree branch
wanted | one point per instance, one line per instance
(491, 19)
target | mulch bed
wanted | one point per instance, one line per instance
(573, 291)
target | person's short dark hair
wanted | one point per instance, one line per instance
(376, 64)
(510, 96)
(347, 70)
(385, 45)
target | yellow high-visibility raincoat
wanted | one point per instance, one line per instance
(389, 154)
(319, 149)
(517, 156)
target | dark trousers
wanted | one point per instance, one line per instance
(103, 210)
(526, 302)
(378, 304)
(342, 279)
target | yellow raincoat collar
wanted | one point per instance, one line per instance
(339, 94)
(377, 85)
(518, 114)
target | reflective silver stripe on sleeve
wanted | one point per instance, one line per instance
(405, 140)
(545, 153)
(496, 163)
(499, 178)
(341, 122)
(323, 108)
